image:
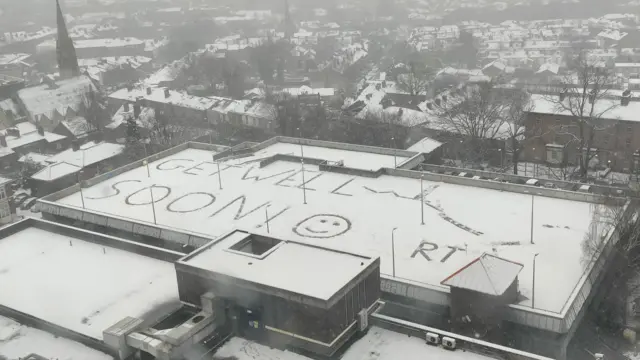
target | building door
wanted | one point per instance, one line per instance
(250, 323)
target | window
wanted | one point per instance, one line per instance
(59, 146)
(606, 140)
(5, 211)
(628, 142)
(3, 193)
(629, 128)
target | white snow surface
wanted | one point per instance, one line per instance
(17, 341)
(378, 344)
(352, 159)
(81, 286)
(289, 266)
(461, 222)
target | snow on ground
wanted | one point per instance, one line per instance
(461, 222)
(377, 344)
(353, 159)
(80, 285)
(17, 341)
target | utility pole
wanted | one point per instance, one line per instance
(304, 187)
(422, 198)
(532, 202)
(533, 286)
(153, 205)
(219, 175)
(266, 214)
(393, 250)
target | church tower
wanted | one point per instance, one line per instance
(65, 51)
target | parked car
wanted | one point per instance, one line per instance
(533, 182)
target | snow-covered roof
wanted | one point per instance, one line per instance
(378, 343)
(19, 340)
(116, 283)
(609, 108)
(145, 120)
(78, 126)
(488, 274)
(45, 100)
(426, 145)
(28, 135)
(6, 59)
(305, 90)
(289, 266)
(69, 161)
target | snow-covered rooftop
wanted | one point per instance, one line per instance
(79, 285)
(378, 343)
(487, 274)
(289, 266)
(604, 108)
(44, 99)
(426, 145)
(69, 161)
(17, 341)
(461, 222)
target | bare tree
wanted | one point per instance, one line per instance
(584, 99)
(477, 114)
(514, 117)
(416, 81)
(614, 237)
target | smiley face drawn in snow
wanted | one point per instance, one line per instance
(322, 226)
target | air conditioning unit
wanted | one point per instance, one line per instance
(449, 343)
(363, 320)
(432, 339)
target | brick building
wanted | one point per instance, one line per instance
(552, 133)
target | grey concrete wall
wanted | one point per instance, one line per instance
(462, 342)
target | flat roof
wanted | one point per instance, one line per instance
(80, 285)
(460, 222)
(378, 343)
(17, 341)
(288, 265)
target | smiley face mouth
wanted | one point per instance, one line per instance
(315, 231)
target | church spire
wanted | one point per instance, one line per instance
(289, 26)
(65, 51)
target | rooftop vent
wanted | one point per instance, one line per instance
(255, 245)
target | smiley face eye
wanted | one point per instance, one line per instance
(323, 221)
(336, 224)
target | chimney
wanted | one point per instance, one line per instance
(626, 98)
(3, 140)
(166, 93)
(562, 95)
(40, 129)
(136, 111)
(75, 145)
(148, 91)
(126, 107)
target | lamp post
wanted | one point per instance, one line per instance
(422, 198)
(219, 175)
(80, 176)
(153, 205)
(393, 250)
(304, 188)
(533, 286)
(301, 146)
(266, 214)
(145, 162)
(532, 202)
(501, 158)
(395, 163)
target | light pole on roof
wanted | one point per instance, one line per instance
(393, 251)
(533, 285)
